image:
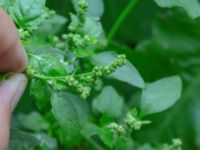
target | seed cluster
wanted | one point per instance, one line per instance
(130, 123)
(82, 83)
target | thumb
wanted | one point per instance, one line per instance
(10, 93)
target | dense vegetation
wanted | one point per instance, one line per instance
(118, 75)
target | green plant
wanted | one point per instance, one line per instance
(79, 78)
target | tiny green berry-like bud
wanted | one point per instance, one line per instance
(72, 28)
(177, 142)
(121, 59)
(116, 128)
(55, 39)
(64, 36)
(82, 4)
(98, 71)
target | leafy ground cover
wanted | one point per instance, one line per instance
(120, 75)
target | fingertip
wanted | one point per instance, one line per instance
(13, 57)
(12, 89)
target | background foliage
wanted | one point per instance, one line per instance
(161, 41)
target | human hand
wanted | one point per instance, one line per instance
(12, 59)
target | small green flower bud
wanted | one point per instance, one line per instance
(177, 142)
(116, 128)
(64, 36)
(55, 39)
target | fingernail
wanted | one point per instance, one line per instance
(20, 81)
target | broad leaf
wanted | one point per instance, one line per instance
(90, 129)
(49, 143)
(127, 73)
(106, 136)
(34, 122)
(49, 62)
(28, 13)
(108, 102)
(51, 26)
(20, 140)
(42, 96)
(71, 113)
(191, 6)
(4, 3)
(160, 95)
(93, 28)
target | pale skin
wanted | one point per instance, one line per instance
(12, 59)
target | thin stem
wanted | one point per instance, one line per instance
(94, 144)
(121, 19)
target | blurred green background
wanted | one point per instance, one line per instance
(159, 42)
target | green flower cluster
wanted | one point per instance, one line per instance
(26, 33)
(117, 129)
(176, 145)
(81, 13)
(133, 123)
(130, 122)
(76, 40)
(82, 83)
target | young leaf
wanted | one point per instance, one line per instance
(191, 6)
(4, 3)
(96, 7)
(42, 96)
(71, 114)
(49, 62)
(93, 27)
(160, 95)
(28, 13)
(108, 102)
(49, 143)
(90, 129)
(51, 26)
(106, 136)
(20, 140)
(127, 73)
(34, 122)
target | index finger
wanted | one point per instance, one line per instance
(12, 54)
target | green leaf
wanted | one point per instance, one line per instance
(160, 95)
(49, 62)
(33, 121)
(95, 7)
(20, 140)
(191, 6)
(28, 13)
(108, 102)
(46, 141)
(51, 26)
(71, 113)
(4, 3)
(90, 129)
(106, 136)
(127, 73)
(93, 28)
(42, 96)
(4, 76)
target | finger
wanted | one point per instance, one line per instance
(12, 54)
(10, 93)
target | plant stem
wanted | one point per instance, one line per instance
(121, 19)
(94, 144)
